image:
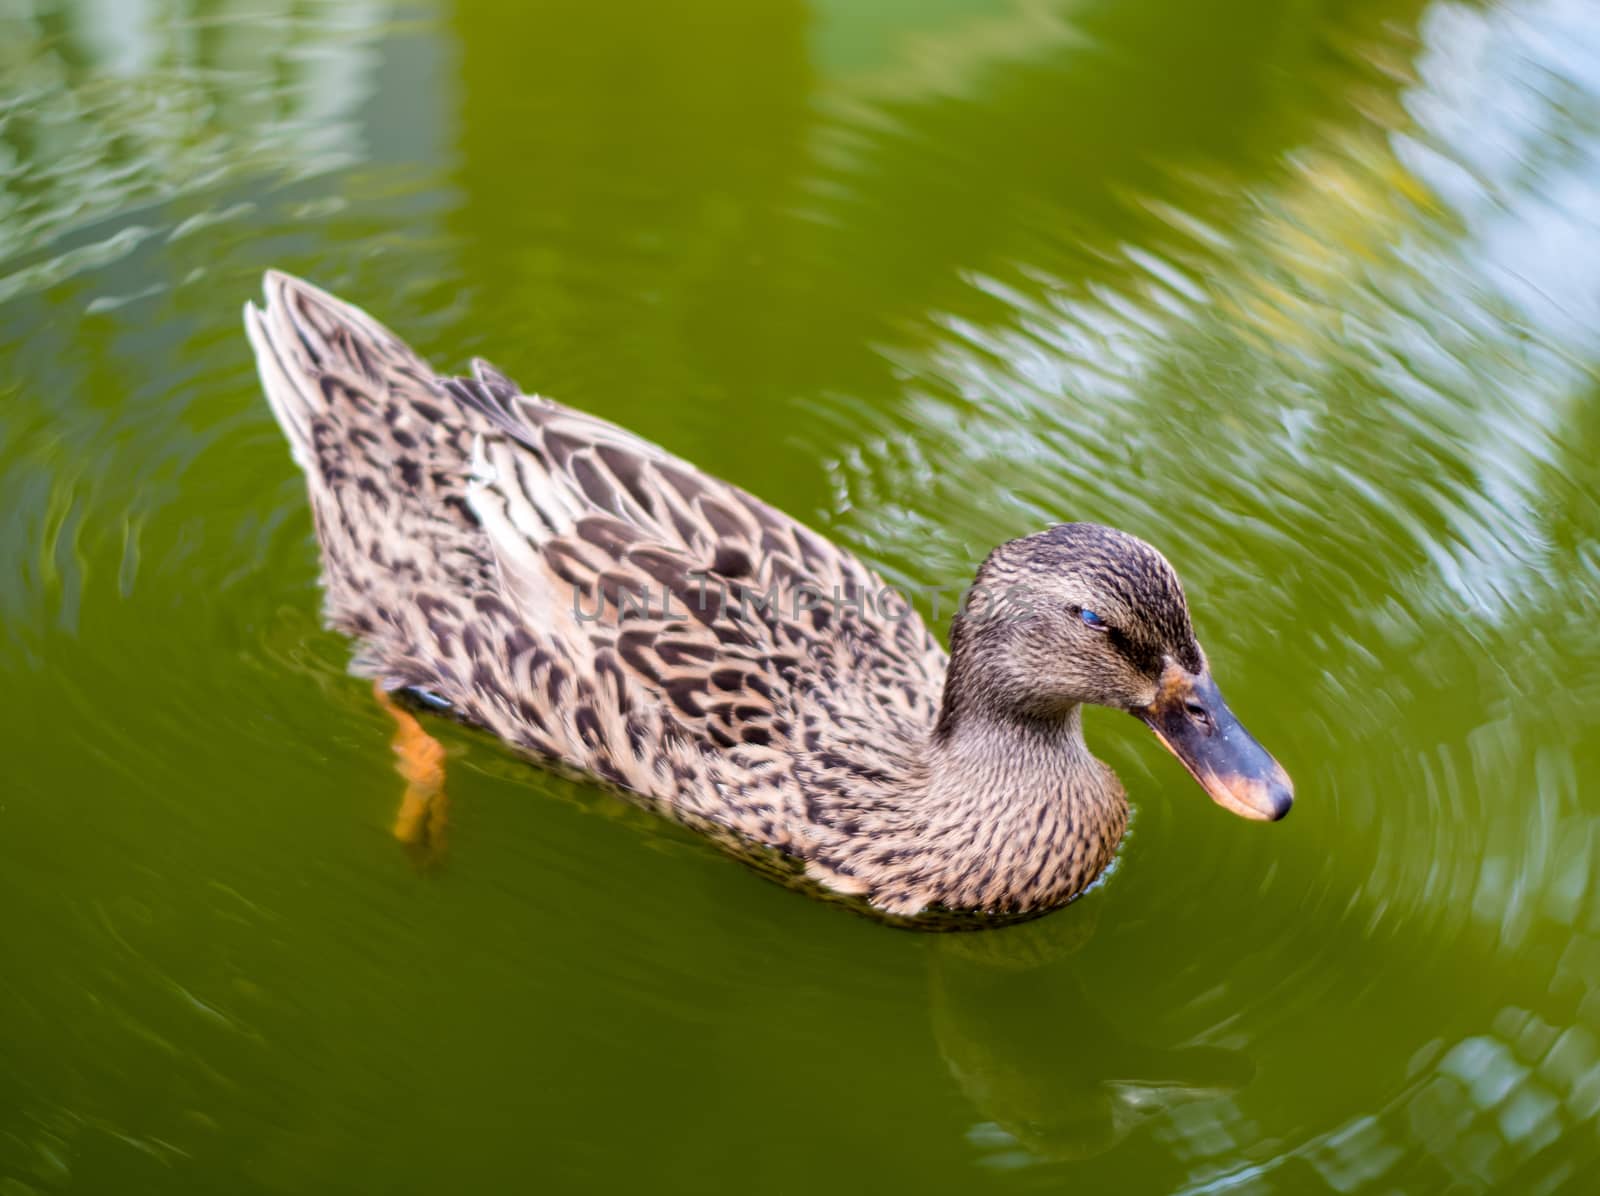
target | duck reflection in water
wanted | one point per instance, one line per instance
(1000, 1002)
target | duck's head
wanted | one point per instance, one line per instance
(1085, 613)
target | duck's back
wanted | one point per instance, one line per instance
(585, 595)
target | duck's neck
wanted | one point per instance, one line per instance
(1017, 812)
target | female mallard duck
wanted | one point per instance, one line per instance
(598, 603)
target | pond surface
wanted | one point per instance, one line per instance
(1305, 293)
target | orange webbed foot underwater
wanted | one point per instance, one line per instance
(421, 821)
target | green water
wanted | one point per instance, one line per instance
(1306, 293)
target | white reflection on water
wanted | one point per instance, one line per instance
(114, 105)
(1480, 1111)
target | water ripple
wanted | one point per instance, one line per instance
(1355, 364)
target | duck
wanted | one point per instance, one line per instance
(607, 609)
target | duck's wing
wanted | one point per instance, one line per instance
(707, 598)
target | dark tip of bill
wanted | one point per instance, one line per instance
(1282, 798)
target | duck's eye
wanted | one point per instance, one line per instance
(1092, 619)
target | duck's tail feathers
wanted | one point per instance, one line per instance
(320, 358)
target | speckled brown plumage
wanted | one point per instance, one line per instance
(556, 580)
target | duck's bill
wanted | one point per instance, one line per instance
(1190, 717)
